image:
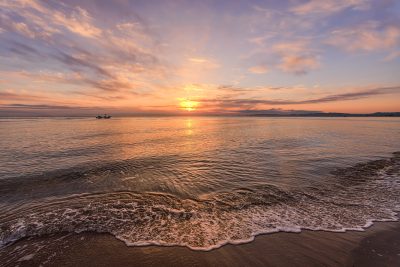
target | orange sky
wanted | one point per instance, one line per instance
(164, 57)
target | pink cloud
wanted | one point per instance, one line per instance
(260, 69)
(297, 57)
(366, 37)
(298, 64)
(328, 6)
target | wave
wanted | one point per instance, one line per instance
(360, 194)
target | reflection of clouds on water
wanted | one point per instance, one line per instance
(195, 181)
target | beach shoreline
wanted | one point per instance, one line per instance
(379, 245)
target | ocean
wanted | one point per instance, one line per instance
(198, 182)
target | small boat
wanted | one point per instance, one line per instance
(103, 117)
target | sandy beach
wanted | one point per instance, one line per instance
(378, 246)
(199, 133)
(68, 205)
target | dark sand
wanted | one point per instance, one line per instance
(378, 246)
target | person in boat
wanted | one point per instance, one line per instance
(103, 117)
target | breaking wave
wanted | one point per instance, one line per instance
(361, 194)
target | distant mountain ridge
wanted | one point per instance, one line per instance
(321, 114)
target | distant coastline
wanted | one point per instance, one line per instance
(330, 114)
(246, 113)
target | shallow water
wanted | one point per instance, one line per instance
(199, 182)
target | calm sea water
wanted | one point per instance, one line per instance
(199, 182)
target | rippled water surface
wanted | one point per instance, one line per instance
(199, 182)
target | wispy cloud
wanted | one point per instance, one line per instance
(23, 50)
(44, 21)
(298, 64)
(46, 110)
(225, 55)
(260, 69)
(57, 39)
(21, 97)
(204, 62)
(329, 6)
(76, 63)
(252, 103)
(297, 41)
(298, 55)
(79, 21)
(369, 36)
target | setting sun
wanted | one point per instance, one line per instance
(187, 104)
(158, 132)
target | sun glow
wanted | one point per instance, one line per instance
(188, 105)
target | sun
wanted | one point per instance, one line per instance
(187, 104)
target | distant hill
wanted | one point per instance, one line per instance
(321, 114)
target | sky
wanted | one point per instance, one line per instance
(80, 57)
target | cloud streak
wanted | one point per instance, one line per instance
(61, 36)
(329, 7)
(144, 55)
(239, 103)
(370, 36)
(260, 69)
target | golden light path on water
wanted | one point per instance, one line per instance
(199, 182)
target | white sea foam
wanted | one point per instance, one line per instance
(364, 194)
(27, 257)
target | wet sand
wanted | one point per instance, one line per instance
(378, 246)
